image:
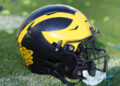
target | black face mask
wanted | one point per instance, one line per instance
(88, 56)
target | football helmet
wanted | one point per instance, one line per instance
(58, 40)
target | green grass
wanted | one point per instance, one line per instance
(104, 14)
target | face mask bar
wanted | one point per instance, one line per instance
(83, 43)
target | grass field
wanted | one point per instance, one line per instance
(104, 14)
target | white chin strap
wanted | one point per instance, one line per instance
(92, 81)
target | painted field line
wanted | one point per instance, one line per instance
(28, 80)
(10, 22)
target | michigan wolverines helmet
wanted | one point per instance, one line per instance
(58, 40)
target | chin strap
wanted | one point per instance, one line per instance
(92, 81)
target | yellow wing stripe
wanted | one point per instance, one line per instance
(42, 18)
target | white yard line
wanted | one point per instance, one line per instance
(10, 22)
(27, 80)
(31, 80)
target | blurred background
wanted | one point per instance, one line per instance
(104, 14)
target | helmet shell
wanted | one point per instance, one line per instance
(40, 33)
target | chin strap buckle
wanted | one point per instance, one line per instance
(92, 81)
